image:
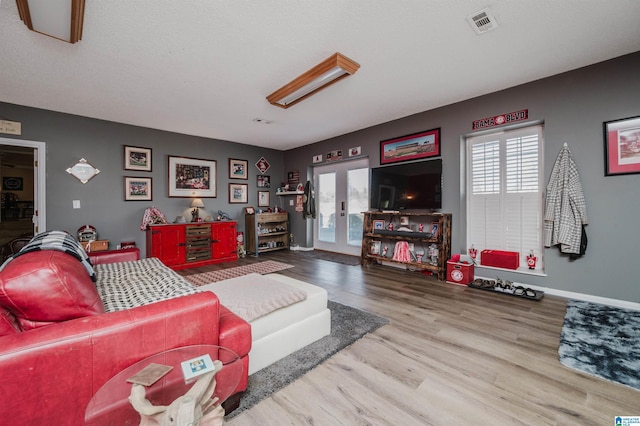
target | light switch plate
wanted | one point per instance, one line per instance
(76, 204)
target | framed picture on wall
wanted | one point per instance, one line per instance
(137, 158)
(192, 177)
(264, 181)
(263, 198)
(238, 169)
(238, 193)
(410, 147)
(622, 146)
(137, 188)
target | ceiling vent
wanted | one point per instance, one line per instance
(482, 21)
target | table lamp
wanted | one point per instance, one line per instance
(195, 213)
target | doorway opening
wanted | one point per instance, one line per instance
(22, 191)
(342, 194)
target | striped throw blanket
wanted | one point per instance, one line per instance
(60, 241)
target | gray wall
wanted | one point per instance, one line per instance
(69, 138)
(573, 107)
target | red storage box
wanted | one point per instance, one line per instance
(459, 273)
(500, 259)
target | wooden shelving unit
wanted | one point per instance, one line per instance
(267, 232)
(420, 240)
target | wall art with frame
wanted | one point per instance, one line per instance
(263, 198)
(137, 188)
(192, 177)
(137, 158)
(622, 146)
(263, 181)
(238, 193)
(411, 147)
(238, 169)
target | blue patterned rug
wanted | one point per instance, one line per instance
(603, 341)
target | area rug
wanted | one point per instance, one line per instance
(265, 267)
(329, 256)
(603, 341)
(347, 325)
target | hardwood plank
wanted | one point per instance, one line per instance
(449, 355)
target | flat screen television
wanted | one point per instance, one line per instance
(415, 186)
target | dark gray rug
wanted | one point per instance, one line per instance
(347, 325)
(603, 341)
(329, 256)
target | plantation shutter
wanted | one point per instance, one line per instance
(504, 204)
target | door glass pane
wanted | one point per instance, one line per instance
(357, 203)
(327, 207)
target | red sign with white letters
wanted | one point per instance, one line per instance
(501, 119)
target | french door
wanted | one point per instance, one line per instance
(342, 195)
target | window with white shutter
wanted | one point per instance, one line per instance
(504, 192)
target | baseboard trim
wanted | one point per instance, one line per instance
(581, 296)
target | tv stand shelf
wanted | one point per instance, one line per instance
(420, 240)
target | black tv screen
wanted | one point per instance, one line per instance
(416, 186)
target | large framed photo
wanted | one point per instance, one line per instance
(622, 146)
(192, 177)
(410, 147)
(263, 198)
(137, 188)
(137, 158)
(238, 193)
(238, 169)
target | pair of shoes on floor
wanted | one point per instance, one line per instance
(504, 286)
(481, 283)
(525, 292)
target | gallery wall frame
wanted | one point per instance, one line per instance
(410, 147)
(263, 181)
(192, 177)
(622, 146)
(238, 169)
(238, 193)
(137, 188)
(137, 158)
(263, 198)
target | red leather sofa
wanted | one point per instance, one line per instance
(58, 346)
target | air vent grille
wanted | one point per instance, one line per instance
(482, 21)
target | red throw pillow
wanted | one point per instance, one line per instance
(42, 287)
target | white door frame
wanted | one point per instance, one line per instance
(39, 180)
(341, 187)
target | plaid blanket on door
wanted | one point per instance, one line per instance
(60, 241)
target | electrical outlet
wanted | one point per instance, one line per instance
(76, 204)
(291, 202)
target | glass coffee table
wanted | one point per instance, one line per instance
(110, 405)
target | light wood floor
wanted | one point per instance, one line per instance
(450, 355)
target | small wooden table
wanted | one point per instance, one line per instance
(110, 405)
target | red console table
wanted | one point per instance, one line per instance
(189, 245)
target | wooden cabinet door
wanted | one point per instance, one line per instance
(224, 240)
(167, 243)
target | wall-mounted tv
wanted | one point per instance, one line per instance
(415, 186)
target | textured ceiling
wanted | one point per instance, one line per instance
(205, 67)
